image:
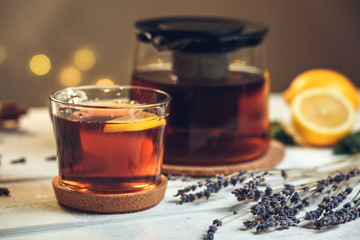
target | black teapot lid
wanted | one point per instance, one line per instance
(200, 34)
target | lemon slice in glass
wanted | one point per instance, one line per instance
(134, 122)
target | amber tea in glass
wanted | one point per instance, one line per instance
(212, 123)
(109, 138)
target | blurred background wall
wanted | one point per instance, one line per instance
(62, 33)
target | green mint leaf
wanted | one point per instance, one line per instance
(277, 132)
(348, 145)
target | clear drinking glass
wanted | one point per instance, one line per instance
(110, 139)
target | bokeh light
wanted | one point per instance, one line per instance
(3, 54)
(239, 62)
(84, 59)
(70, 76)
(105, 81)
(40, 64)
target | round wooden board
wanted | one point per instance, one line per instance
(109, 203)
(272, 157)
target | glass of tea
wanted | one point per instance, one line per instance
(110, 139)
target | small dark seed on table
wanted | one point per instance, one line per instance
(20, 160)
(4, 191)
(51, 158)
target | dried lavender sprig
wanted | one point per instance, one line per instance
(354, 200)
(338, 178)
(293, 194)
(346, 214)
(311, 187)
(319, 185)
(271, 222)
(273, 210)
(327, 204)
(250, 189)
(284, 174)
(285, 215)
(297, 195)
(212, 229)
(212, 185)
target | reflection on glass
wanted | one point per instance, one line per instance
(104, 81)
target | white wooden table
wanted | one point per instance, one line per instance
(32, 212)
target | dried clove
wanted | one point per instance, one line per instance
(4, 191)
(51, 158)
(20, 160)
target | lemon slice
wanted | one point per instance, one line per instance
(137, 122)
(322, 116)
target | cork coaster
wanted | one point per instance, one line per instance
(272, 157)
(109, 203)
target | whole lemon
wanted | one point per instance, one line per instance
(323, 78)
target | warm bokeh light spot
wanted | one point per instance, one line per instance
(40, 64)
(159, 61)
(105, 81)
(3, 54)
(84, 59)
(70, 76)
(239, 62)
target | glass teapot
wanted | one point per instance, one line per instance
(215, 71)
